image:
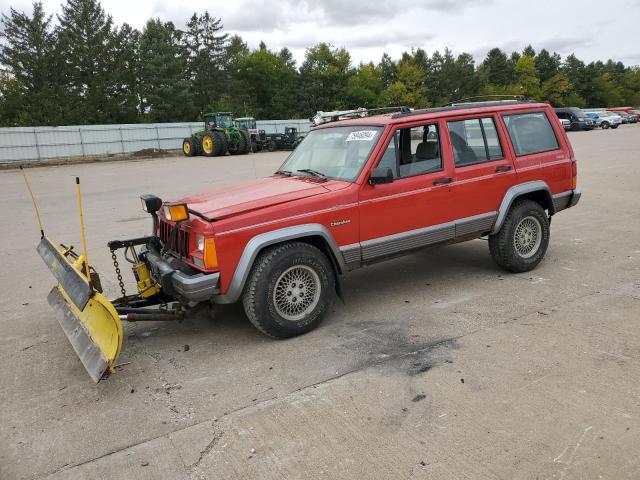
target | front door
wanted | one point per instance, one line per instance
(413, 210)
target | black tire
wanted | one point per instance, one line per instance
(189, 147)
(605, 125)
(270, 271)
(271, 146)
(221, 144)
(502, 245)
(239, 147)
(247, 141)
(615, 126)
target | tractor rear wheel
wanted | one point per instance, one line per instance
(189, 147)
(210, 144)
(239, 148)
(221, 143)
(271, 146)
(247, 141)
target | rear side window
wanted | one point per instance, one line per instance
(474, 141)
(530, 133)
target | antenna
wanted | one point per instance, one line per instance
(33, 201)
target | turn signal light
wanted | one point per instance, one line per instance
(210, 254)
(175, 212)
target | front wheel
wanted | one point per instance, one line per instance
(189, 147)
(605, 125)
(522, 242)
(289, 290)
(271, 146)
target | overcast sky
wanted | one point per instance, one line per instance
(592, 29)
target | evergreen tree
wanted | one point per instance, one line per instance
(496, 69)
(205, 46)
(388, 73)
(85, 33)
(28, 95)
(163, 82)
(547, 65)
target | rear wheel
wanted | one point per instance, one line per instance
(221, 143)
(605, 125)
(239, 146)
(247, 141)
(209, 145)
(522, 242)
(271, 146)
(615, 126)
(189, 147)
(289, 290)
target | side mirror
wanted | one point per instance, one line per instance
(381, 175)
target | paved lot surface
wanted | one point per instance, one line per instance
(438, 366)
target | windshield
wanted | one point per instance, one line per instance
(224, 121)
(246, 123)
(335, 152)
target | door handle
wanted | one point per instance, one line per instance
(442, 181)
(503, 168)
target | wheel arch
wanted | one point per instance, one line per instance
(537, 190)
(314, 234)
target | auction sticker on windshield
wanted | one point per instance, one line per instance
(361, 136)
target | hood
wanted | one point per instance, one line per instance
(253, 195)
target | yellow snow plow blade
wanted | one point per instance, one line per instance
(89, 320)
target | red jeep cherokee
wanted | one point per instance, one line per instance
(363, 190)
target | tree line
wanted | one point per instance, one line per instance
(80, 68)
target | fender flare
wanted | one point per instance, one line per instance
(259, 242)
(515, 192)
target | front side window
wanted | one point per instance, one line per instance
(413, 151)
(530, 133)
(474, 141)
(334, 152)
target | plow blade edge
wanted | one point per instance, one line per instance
(89, 320)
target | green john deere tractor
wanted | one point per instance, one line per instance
(218, 137)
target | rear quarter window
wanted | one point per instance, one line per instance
(531, 133)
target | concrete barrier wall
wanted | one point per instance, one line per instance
(39, 143)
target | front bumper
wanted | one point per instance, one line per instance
(199, 287)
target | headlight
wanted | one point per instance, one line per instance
(200, 240)
(150, 203)
(176, 212)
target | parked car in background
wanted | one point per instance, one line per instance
(609, 119)
(624, 116)
(635, 115)
(566, 124)
(597, 121)
(578, 119)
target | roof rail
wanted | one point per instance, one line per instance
(477, 98)
(334, 116)
(466, 103)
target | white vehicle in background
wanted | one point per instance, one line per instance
(566, 123)
(607, 119)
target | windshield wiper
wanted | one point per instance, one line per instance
(312, 172)
(283, 172)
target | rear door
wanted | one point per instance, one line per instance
(483, 171)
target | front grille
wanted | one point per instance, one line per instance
(180, 245)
